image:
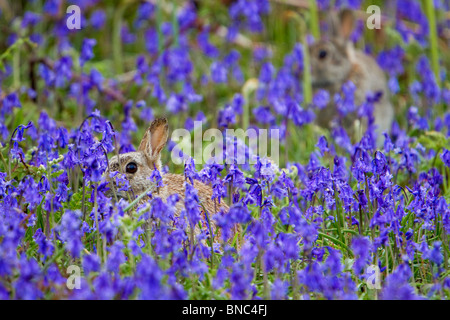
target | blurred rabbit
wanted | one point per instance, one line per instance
(138, 167)
(334, 61)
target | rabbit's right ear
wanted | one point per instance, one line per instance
(341, 26)
(155, 138)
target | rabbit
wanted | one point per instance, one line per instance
(139, 165)
(334, 61)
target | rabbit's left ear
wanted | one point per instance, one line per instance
(155, 138)
(347, 23)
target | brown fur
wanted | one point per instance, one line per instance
(342, 63)
(147, 158)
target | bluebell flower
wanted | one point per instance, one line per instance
(30, 19)
(70, 232)
(361, 247)
(263, 114)
(87, 50)
(321, 99)
(97, 19)
(208, 49)
(91, 263)
(435, 254)
(219, 73)
(397, 286)
(46, 247)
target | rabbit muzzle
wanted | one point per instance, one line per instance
(119, 193)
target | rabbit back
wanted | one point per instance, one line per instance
(175, 184)
(370, 79)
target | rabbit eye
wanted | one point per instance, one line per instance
(322, 54)
(131, 167)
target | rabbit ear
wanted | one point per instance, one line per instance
(332, 25)
(346, 23)
(340, 25)
(155, 138)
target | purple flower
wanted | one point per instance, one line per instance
(248, 13)
(144, 13)
(267, 72)
(148, 278)
(445, 156)
(116, 257)
(361, 247)
(91, 263)
(227, 116)
(321, 99)
(397, 286)
(208, 49)
(391, 60)
(279, 289)
(98, 18)
(263, 114)
(70, 232)
(435, 254)
(46, 247)
(219, 73)
(191, 203)
(30, 19)
(87, 50)
(323, 145)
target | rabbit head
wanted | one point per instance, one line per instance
(332, 56)
(138, 166)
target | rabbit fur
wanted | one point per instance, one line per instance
(147, 158)
(334, 61)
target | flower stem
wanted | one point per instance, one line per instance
(158, 26)
(96, 222)
(247, 89)
(16, 69)
(117, 41)
(175, 24)
(143, 194)
(315, 30)
(431, 14)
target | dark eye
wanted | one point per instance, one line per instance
(131, 167)
(322, 54)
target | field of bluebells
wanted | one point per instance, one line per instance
(333, 216)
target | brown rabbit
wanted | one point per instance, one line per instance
(335, 61)
(138, 167)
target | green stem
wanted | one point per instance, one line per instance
(339, 217)
(338, 242)
(143, 194)
(307, 86)
(58, 253)
(247, 89)
(175, 24)
(210, 232)
(99, 249)
(117, 39)
(50, 214)
(431, 14)
(158, 26)
(265, 279)
(16, 69)
(315, 30)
